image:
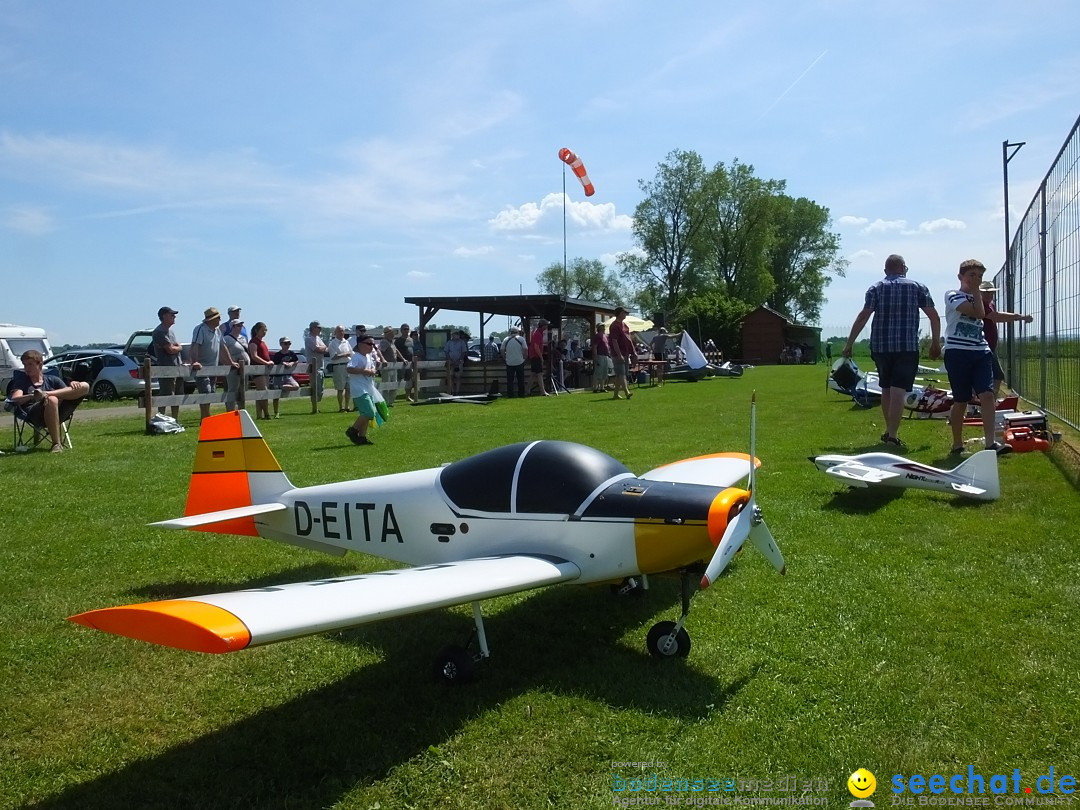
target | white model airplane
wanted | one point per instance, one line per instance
(976, 477)
(506, 520)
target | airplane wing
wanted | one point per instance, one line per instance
(718, 469)
(226, 622)
(860, 474)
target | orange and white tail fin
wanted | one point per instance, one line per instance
(235, 478)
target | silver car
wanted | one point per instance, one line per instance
(110, 374)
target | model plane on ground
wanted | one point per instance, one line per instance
(503, 521)
(976, 477)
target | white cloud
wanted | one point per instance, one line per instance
(942, 224)
(29, 220)
(850, 220)
(861, 254)
(468, 253)
(885, 226)
(418, 275)
(592, 216)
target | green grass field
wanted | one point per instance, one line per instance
(913, 633)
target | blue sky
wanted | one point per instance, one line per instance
(326, 160)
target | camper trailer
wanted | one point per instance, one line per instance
(14, 340)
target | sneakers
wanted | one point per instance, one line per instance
(365, 440)
(57, 449)
(1000, 448)
(957, 451)
(354, 437)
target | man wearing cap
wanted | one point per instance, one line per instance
(457, 348)
(165, 351)
(227, 326)
(622, 352)
(990, 322)
(284, 356)
(536, 357)
(207, 350)
(316, 351)
(514, 351)
(895, 302)
(235, 344)
(391, 363)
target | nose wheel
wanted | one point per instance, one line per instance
(670, 639)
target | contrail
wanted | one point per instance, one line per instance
(781, 96)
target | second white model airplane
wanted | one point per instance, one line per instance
(506, 520)
(976, 477)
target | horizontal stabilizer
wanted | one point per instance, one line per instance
(967, 489)
(717, 470)
(226, 622)
(208, 518)
(860, 473)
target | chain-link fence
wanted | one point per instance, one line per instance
(1042, 278)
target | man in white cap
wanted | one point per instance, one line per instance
(990, 330)
(227, 324)
(316, 350)
(514, 350)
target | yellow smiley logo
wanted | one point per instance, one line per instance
(861, 783)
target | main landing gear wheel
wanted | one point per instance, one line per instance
(454, 664)
(664, 642)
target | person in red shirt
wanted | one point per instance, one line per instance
(536, 357)
(622, 351)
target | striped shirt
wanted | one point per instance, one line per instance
(896, 301)
(962, 331)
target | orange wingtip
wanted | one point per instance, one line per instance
(179, 623)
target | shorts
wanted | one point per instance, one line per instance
(365, 405)
(999, 372)
(896, 369)
(204, 385)
(970, 373)
(340, 374)
(620, 365)
(35, 414)
(536, 365)
(277, 381)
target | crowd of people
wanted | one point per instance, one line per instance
(970, 340)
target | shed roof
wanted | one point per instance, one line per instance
(551, 307)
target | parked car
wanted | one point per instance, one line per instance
(110, 374)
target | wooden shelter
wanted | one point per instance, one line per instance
(768, 337)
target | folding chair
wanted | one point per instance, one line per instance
(28, 435)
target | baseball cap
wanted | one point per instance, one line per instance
(237, 322)
(167, 311)
(284, 340)
(234, 308)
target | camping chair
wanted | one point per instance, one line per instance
(27, 435)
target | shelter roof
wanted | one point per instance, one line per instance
(554, 308)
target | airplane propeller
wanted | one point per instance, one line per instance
(748, 523)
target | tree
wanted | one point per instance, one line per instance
(740, 232)
(586, 279)
(667, 227)
(803, 251)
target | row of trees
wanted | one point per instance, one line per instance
(711, 246)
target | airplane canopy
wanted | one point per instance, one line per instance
(549, 477)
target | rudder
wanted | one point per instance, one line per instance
(234, 467)
(981, 470)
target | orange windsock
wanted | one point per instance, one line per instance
(574, 162)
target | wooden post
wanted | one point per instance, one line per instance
(148, 397)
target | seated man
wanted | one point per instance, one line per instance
(44, 400)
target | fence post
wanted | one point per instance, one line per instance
(148, 398)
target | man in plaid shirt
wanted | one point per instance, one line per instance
(895, 302)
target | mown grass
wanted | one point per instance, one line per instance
(914, 632)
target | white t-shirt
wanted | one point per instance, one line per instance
(360, 384)
(514, 349)
(962, 331)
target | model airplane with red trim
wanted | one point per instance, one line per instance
(507, 520)
(976, 477)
